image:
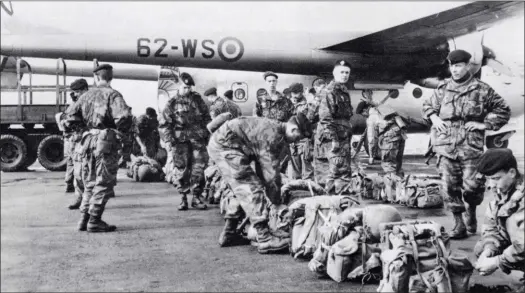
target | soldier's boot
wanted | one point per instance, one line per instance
(470, 219)
(70, 187)
(82, 224)
(96, 224)
(197, 203)
(183, 206)
(76, 204)
(229, 235)
(267, 243)
(460, 230)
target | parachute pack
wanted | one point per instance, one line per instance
(144, 169)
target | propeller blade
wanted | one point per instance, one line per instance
(499, 67)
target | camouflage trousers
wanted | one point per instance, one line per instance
(99, 151)
(78, 172)
(189, 159)
(248, 189)
(460, 183)
(392, 157)
(300, 165)
(69, 153)
(127, 141)
(333, 168)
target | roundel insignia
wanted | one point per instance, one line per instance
(230, 49)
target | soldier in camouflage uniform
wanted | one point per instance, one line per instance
(502, 242)
(273, 105)
(72, 138)
(183, 127)
(106, 116)
(300, 166)
(128, 143)
(221, 105)
(234, 147)
(334, 131)
(461, 109)
(147, 135)
(313, 117)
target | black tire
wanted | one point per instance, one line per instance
(496, 142)
(51, 153)
(13, 153)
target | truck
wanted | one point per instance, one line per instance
(28, 130)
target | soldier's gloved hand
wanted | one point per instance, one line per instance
(470, 126)
(335, 146)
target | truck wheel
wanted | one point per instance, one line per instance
(13, 153)
(51, 153)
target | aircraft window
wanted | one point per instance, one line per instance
(417, 93)
(240, 92)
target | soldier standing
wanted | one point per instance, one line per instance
(334, 131)
(233, 147)
(72, 137)
(273, 105)
(221, 105)
(300, 166)
(106, 116)
(183, 127)
(461, 109)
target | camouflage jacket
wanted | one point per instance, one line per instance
(457, 104)
(224, 105)
(281, 109)
(73, 129)
(313, 111)
(335, 111)
(184, 119)
(101, 108)
(504, 229)
(259, 138)
(382, 132)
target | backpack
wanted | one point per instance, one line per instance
(419, 193)
(147, 166)
(369, 186)
(308, 215)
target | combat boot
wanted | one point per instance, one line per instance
(460, 230)
(470, 219)
(183, 206)
(197, 203)
(267, 243)
(76, 204)
(82, 224)
(96, 224)
(229, 235)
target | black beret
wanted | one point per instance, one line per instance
(103, 67)
(212, 91)
(342, 63)
(187, 79)
(151, 112)
(305, 126)
(228, 94)
(495, 160)
(269, 73)
(459, 56)
(361, 106)
(286, 91)
(312, 91)
(79, 84)
(296, 88)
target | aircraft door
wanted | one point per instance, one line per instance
(240, 92)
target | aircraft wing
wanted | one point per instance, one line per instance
(429, 32)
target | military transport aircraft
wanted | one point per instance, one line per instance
(404, 57)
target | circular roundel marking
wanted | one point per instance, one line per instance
(230, 49)
(240, 95)
(417, 93)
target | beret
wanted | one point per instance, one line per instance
(458, 56)
(286, 91)
(342, 63)
(211, 91)
(361, 106)
(151, 112)
(228, 94)
(495, 160)
(296, 88)
(269, 73)
(305, 126)
(187, 79)
(103, 67)
(312, 91)
(319, 82)
(79, 84)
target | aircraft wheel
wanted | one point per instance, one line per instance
(51, 153)
(13, 153)
(496, 142)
